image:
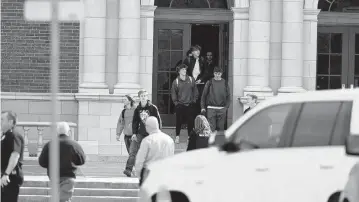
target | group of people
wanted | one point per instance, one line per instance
(12, 152)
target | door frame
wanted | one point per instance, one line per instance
(352, 32)
(345, 49)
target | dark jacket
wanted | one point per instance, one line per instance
(216, 93)
(190, 62)
(139, 117)
(196, 142)
(184, 92)
(208, 68)
(71, 156)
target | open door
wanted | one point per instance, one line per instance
(171, 41)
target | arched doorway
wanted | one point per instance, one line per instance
(178, 25)
(338, 44)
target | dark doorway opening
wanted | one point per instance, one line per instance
(207, 36)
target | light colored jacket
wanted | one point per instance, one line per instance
(124, 124)
(156, 146)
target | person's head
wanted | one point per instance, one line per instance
(63, 128)
(189, 53)
(209, 56)
(8, 120)
(143, 95)
(252, 99)
(196, 52)
(182, 69)
(152, 125)
(217, 72)
(129, 101)
(201, 125)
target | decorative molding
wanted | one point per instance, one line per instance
(35, 96)
(193, 15)
(148, 11)
(240, 13)
(337, 18)
(311, 14)
(102, 97)
(241, 3)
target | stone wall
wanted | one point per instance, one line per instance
(25, 53)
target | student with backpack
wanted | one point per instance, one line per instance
(184, 96)
(124, 123)
(216, 99)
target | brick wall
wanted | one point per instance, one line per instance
(26, 52)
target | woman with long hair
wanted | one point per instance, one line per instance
(198, 138)
(124, 123)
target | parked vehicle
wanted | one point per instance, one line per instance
(288, 148)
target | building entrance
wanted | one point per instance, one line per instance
(171, 43)
(338, 57)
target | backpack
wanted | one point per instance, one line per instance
(190, 78)
(123, 113)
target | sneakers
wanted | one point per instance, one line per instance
(177, 140)
(127, 173)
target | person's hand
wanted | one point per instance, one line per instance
(118, 137)
(203, 112)
(198, 81)
(5, 180)
(134, 138)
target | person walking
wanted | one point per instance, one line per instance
(156, 146)
(184, 94)
(71, 156)
(12, 152)
(124, 123)
(144, 109)
(216, 99)
(200, 135)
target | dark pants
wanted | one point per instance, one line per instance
(127, 139)
(10, 192)
(184, 114)
(134, 147)
(197, 108)
(217, 118)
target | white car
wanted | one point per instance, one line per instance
(287, 148)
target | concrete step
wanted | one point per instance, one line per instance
(42, 198)
(82, 192)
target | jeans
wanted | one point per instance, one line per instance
(184, 114)
(134, 147)
(128, 140)
(67, 188)
(217, 118)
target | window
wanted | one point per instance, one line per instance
(338, 5)
(192, 3)
(322, 123)
(265, 128)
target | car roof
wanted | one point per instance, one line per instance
(309, 96)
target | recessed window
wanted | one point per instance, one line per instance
(349, 6)
(192, 3)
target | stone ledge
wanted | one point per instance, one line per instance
(36, 96)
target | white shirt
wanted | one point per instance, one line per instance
(196, 70)
(155, 146)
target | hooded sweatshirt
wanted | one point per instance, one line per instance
(139, 118)
(124, 123)
(156, 146)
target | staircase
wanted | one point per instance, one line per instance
(36, 189)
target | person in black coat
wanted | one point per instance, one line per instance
(198, 138)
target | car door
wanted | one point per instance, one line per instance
(243, 175)
(319, 135)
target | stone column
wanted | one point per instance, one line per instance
(275, 54)
(310, 48)
(146, 58)
(238, 57)
(258, 47)
(292, 47)
(129, 47)
(94, 47)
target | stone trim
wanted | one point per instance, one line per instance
(148, 11)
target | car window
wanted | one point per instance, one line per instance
(264, 129)
(319, 122)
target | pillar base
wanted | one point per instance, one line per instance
(295, 89)
(126, 88)
(93, 88)
(259, 89)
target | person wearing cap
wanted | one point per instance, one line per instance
(12, 152)
(143, 110)
(184, 95)
(156, 146)
(71, 156)
(216, 99)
